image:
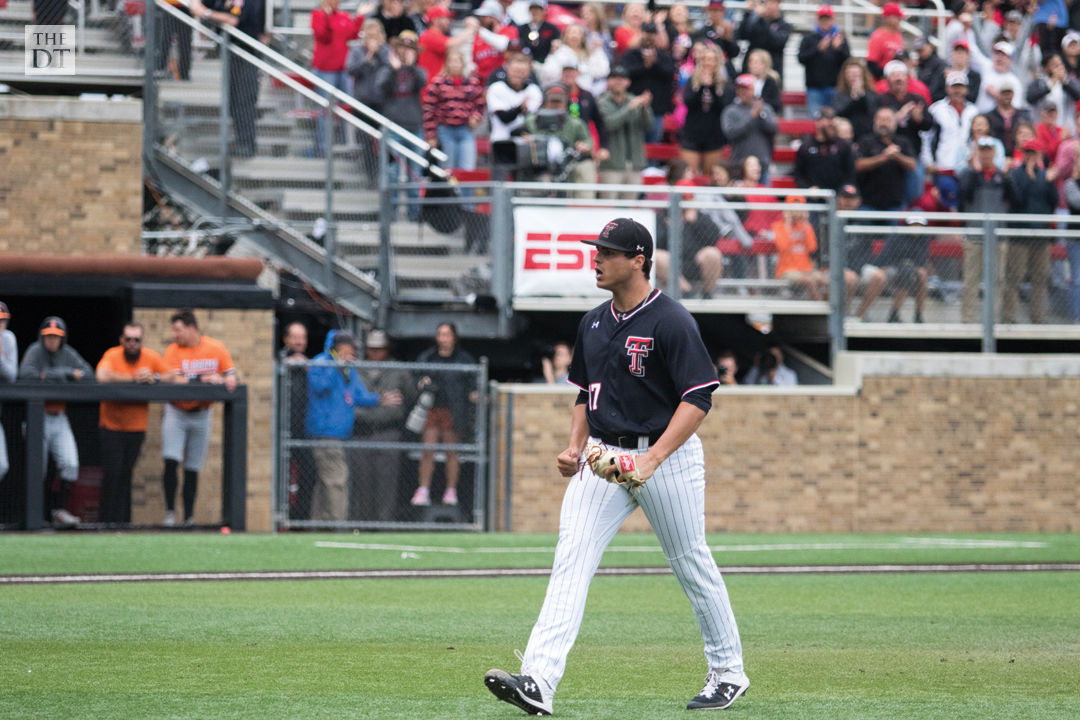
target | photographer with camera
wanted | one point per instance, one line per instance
(769, 368)
(727, 367)
(568, 141)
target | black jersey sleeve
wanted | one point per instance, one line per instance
(701, 398)
(692, 372)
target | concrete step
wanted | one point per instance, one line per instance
(302, 204)
(12, 63)
(293, 172)
(405, 238)
(430, 272)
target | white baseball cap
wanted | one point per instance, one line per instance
(956, 78)
(1002, 46)
(895, 66)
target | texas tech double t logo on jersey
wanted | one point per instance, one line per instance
(638, 349)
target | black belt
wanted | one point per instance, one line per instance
(626, 442)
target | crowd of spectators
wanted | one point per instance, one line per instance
(901, 124)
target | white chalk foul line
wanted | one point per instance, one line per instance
(520, 572)
(902, 544)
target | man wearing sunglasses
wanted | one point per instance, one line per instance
(123, 424)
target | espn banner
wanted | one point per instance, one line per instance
(550, 258)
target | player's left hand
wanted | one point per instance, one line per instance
(630, 471)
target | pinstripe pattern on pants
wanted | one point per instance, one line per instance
(673, 501)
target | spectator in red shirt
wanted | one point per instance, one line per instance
(492, 38)
(628, 35)
(914, 85)
(333, 29)
(1048, 133)
(436, 41)
(756, 222)
(886, 41)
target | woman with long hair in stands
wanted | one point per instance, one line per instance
(628, 35)
(966, 155)
(454, 106)
(594, 17)
(586, 53)
(757, 222)
(766, 79)
(701, 141)
(855, 98)
(365, 60)
(680, 32)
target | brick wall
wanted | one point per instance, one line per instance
(72, 176)
(248, 335)
(901, 454)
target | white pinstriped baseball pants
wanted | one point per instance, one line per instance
(673, 501)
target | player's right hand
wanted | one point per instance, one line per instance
(569, 462)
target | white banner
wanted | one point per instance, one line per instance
(550, 258)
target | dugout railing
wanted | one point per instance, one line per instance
(24, 416)
(385, 449)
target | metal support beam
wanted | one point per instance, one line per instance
(675, 248)
(837, 289)
(353, 290)
(990, 251)
(502, 255)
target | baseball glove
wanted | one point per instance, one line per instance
(614, 467)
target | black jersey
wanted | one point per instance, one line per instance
(635, 368)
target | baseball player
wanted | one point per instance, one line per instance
(645, 382)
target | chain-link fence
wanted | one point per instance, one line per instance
(932, 269)
(386, 445)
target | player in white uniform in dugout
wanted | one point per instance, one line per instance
(646, 382)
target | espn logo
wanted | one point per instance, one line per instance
(545, 251)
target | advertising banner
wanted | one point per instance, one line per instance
(550, 258)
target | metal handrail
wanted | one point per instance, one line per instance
(340, 97)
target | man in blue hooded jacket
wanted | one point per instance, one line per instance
(333, 392)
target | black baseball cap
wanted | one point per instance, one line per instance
(625, 235)
(619, 71)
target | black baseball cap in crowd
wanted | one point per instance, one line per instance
(625, 235)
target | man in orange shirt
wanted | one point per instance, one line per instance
(185, 428)
(795, 240)
(123, 424)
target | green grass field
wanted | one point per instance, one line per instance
(963, 645)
